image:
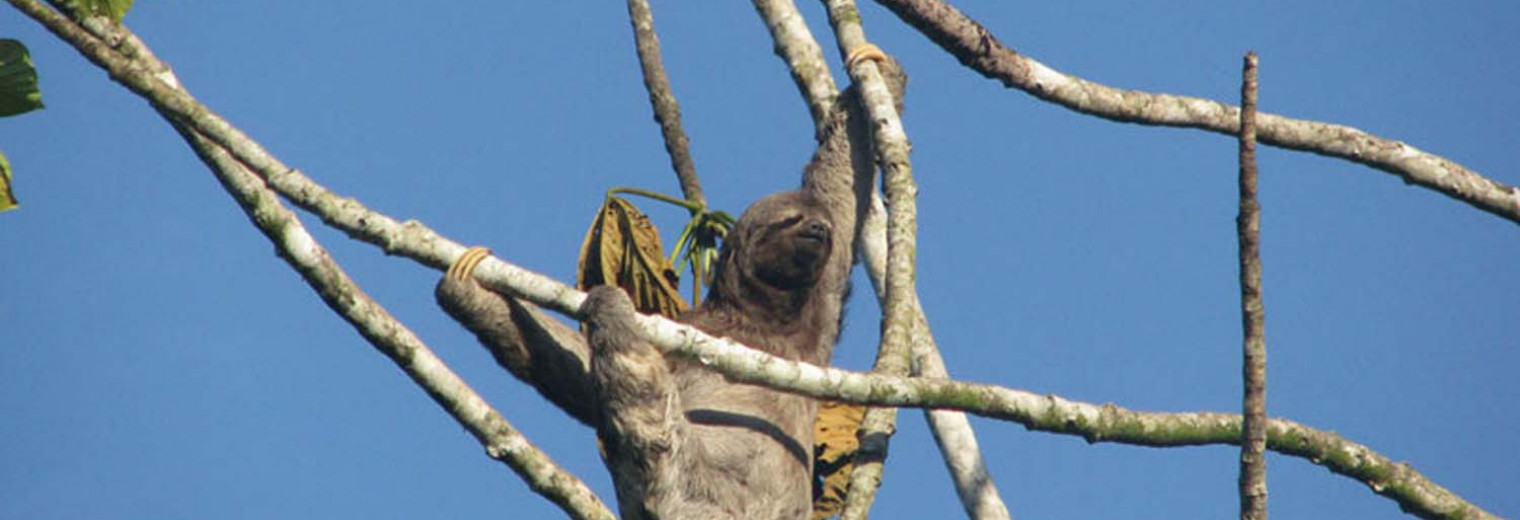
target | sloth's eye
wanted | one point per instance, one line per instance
(788, 222)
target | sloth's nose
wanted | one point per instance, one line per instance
(815, 229)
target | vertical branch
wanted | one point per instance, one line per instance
(891, 144)
(1253, 442)
(952, 431)
(796, 46)
(666, 110)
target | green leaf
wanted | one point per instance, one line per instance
(7, 200)
(116, 9)
(18, 80)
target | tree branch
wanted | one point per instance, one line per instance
(952, 431)
(804, 59)
(1107, 423)
(1253, 441)
(1049, 413)
(298, 248)
(891, 146)
(410, 239)
(666, 110)
(977, 48)
(303, 253)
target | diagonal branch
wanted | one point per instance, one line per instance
(304, 254)
(796, 46)
(501, 440)
(666, 110)
(410, 239)
(977, 48)
(1400, 482)
(951, 428)
(1253, 441)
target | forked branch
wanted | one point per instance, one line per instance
(1096, 423)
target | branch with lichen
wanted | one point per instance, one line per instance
(891, 145)
(305, 254)
(1108, 423)
(1049, 413)
(951, 429)
(979, 49)
(795, 45)
(501, 440)
(905, 327)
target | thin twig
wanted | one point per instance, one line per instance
(1400, 482)
(688, 204)
(666, 110)
(1253, 442)
(977, 48)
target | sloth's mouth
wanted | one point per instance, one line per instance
(818, 234)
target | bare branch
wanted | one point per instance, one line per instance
(302, 251)
(891, 146)
(952, 431)
(796, 46)
(977, 48)
(501, 440)
(411, 239)
(1253, 442)
(1400, 482)
(1107, 423)
(956, 440)
(666, 110)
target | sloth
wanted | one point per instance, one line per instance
(681, 440)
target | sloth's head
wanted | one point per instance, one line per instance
(778, 249)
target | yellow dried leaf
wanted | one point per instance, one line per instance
(835, 442)
(623, 248)
(7, 198)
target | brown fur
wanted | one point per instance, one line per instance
(682, 441)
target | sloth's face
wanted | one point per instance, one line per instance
(790, 253)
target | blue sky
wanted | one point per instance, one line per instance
(159, 361)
